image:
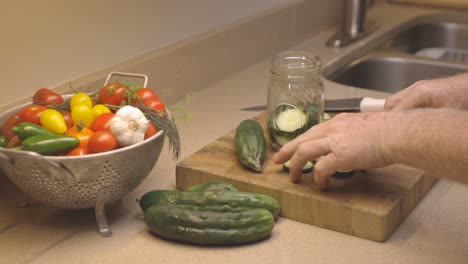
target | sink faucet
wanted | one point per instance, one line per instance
(353, 27)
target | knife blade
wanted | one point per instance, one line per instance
(361, 104)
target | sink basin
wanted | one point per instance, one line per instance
(391, 74)
(432, 35)
(420, 52)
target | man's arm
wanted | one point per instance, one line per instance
(450, 92)
(435, 141)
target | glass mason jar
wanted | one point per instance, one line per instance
(295, 96)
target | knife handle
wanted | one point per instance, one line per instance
(372, 105)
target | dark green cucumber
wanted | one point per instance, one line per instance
(49, 144)
(208, 227)
(211, 186)
(250, 144)
(219, 201)
(3, 141)
(27, 129)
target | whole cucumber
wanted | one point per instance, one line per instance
(49, 144)
(219, 201)
(208, 227)
(250, 144)
(27, 129)
(211, 186)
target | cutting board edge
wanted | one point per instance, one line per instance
(383, 225)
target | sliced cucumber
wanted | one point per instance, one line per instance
(290, 119)
(326, 116)
(286, 123)
(308, 167)
(343, 174)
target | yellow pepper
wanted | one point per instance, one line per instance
(81, 99)
(82, 113)
(53, 120)
(100, 109)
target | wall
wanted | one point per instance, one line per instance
(50, 42)
(182, 60)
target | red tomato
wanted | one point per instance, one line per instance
(82, 133)
(145, 94)
(78, 151)
(11, 122)
(68, 119)
(14, 142)
(113, 94)
(102, 141)
(32, 113)
(155, 104)
(102, 122)
(46, 97)
(151, 130)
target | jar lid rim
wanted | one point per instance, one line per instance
(296, 62)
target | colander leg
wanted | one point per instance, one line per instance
(100, 212)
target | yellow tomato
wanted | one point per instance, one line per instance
(82, 113)
(53, 120)
(81, 99)
(100, 109)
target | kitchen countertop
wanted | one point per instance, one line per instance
(434, 232)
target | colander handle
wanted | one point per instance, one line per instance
(144, 76)
(8, 162)
(70, 176)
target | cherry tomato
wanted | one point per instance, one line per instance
(32, 113)
(12, 121)
(102, 122)
(113, 94)
(46, 97)
(81, 99)
(151, 130)
(78, 151)
(146, 94)
(100, 109)
(68, 119)
(102, 141)
(82, 133)
(155, 104)
(14, 142)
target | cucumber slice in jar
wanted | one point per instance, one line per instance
(286, 123)
(290, 119)
(308, 167)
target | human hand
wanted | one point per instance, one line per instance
(345, 142)
(451, 92)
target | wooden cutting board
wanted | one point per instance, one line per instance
(371, 204)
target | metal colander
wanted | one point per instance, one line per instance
(81, 181)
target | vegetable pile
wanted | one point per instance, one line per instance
(119, 115)
(212, 213)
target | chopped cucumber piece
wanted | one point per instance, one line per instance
(326, 116)
(307, 167)
(290, 120)
(343, 174)
(286, 123)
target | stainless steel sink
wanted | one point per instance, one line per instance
(391, 74)
(432, 35)
(409, 57)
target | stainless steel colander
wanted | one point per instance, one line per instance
(82, 181)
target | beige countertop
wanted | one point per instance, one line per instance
(434, 232)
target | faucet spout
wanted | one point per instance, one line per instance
(354, 22)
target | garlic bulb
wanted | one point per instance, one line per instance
(128, 126)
